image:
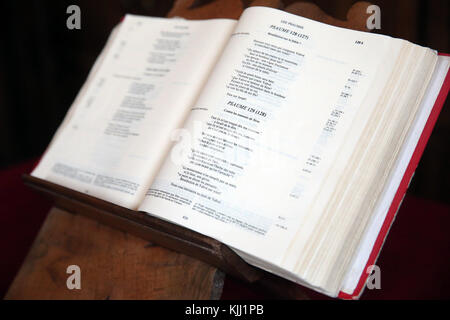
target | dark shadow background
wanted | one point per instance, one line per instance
(43, 65)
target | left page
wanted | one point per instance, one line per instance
(118, 129)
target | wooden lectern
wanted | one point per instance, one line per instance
(123, 254)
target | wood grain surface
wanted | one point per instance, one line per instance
(114, 265)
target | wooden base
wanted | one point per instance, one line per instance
(113, 265)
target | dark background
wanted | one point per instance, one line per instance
(43, 65)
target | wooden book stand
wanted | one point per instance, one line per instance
(169, 235)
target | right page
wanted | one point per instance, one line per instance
(266, 144)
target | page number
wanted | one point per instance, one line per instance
(359, 42)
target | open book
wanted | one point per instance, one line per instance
(284, 138)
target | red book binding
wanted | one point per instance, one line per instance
(403, 187)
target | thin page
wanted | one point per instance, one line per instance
(116, 134)
(266, 129)
(364, 250)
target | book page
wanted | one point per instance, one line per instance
(365, 248)
(266, 129)
(119, 128)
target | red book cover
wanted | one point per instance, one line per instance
(403, 187)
